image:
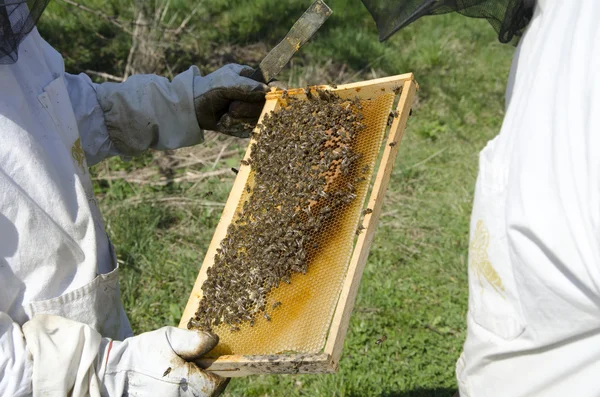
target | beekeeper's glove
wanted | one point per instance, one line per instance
(151, 112)
(227, 101)
(70, 358)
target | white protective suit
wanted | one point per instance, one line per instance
(55, 257)
(534, 257)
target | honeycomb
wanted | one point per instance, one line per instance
(301, 312)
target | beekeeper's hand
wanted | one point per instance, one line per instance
(227, 101)
(70, 358)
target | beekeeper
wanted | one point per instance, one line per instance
(63, 330)
(533, 325)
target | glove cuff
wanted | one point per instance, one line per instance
(16, 365)
(148, 111)
(63, 354)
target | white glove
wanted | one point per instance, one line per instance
(70, 358)
(227, 101)
(159, 363)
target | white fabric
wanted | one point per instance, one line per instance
(90, 119)
(534, 260)
(15, 364)
(53, 237)
(149, 364)
(52, 240)
(64, 355)
(55, 257)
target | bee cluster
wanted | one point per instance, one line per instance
(297, 159)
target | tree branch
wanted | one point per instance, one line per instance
(99, 13)
(106, 76)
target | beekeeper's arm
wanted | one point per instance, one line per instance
(149, 111)
(53, 356)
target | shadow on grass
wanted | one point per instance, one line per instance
(437, 392)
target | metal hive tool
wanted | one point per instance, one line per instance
(307, 327)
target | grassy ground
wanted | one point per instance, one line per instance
(414, 286)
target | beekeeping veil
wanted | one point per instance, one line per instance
(508, 17)
(17, 19)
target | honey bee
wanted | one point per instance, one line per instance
(276, 305)
(367, 211)
(392, 144)
(308, 93)
(392, 116)
(235, 170)
(381, 340)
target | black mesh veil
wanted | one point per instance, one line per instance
(17, 19)
(508, 17)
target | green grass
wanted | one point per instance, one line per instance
(414, 289)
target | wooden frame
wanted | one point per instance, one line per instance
(327, 360)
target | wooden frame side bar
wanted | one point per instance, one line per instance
(341, 318)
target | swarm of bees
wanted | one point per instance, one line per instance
(297, 159)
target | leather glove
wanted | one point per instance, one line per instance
(227, 101)
(70, 358)
(241, 117)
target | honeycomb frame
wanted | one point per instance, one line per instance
(326, 360)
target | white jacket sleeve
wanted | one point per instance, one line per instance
(145, 111)
(15, 362)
